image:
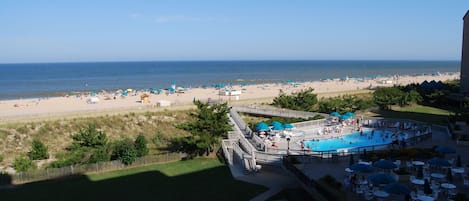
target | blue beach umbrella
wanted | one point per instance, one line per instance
(276, 123)
(439, 162)
(396, 188)
(351, 114)
(335, 114)
(385, 164)
(362, 168)
(278, 127)
(445, 150)
(381, 178)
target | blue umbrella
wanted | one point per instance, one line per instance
(439, 162)
(345, 117)
(261, 126)
(275, 123)
(381, 178)
(350, 114)
(396, 188)
(335, 114)
(287, 126)
(358, 167)
(445, 150)
(278, 127)
(385, 164)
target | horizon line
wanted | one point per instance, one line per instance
(222, 60)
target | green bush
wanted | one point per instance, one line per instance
(141, 146)
(158, 138)
(124, 150)
(23, 164)
(1, 158)
(100, 154)
(38, 151)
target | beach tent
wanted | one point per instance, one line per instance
(93, 100)
(129, 90)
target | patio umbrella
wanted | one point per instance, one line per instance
(287, 126)
(381, 178)
(261, 126)
(385, 164)
(397, 188)
(439, 162)
(350, 114)
(445, 150)
(335, 114)
(362, 168)
(275, 123)
(278, 127)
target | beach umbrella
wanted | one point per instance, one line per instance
(458, 161)
(396, 188)
(350, 114)
(275, 123)
(439, 162)
(445, 150)
(335, 114)
(381, 178)
(362, 168)
(385, 164)
(287, 126)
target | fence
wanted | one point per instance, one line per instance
(53, 173)
(277, 112)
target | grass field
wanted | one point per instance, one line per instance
(416, 112)
(194, 180)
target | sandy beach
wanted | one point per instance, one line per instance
(26, 109)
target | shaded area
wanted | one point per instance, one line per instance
(295, 194)
(438, 119)
(204, 179)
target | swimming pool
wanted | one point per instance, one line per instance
(354, 140)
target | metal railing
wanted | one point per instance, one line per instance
(277, 112)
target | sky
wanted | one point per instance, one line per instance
(153, 30)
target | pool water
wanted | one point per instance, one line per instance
(354, 140)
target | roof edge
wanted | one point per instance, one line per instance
(466, 15)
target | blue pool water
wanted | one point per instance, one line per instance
(353, 140)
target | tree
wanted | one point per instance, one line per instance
(100, 154)
(38, 151)
(23, 164)
(89, 137)
(124, 150)
(304, 100)
(210, 125)
(385, 97)
(141, 145)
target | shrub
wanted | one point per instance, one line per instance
(157, 138)
(100, 154)
(89, 137)
(124, 150)
(1, 158)
(141, 146)
(23, 164)
(38, 151)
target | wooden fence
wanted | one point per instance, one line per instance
(53, 173)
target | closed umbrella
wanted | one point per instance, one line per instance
(397, 188)
(381, 178)
(385, 164)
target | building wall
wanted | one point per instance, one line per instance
(465, 56)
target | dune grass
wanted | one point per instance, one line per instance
(198, 179)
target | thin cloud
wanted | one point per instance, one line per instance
(135, 15)
(184, 18)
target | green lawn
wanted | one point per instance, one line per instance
(198, 179)
(417, 112)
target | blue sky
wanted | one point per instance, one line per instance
(86, 30)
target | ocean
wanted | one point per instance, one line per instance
(53, 79)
